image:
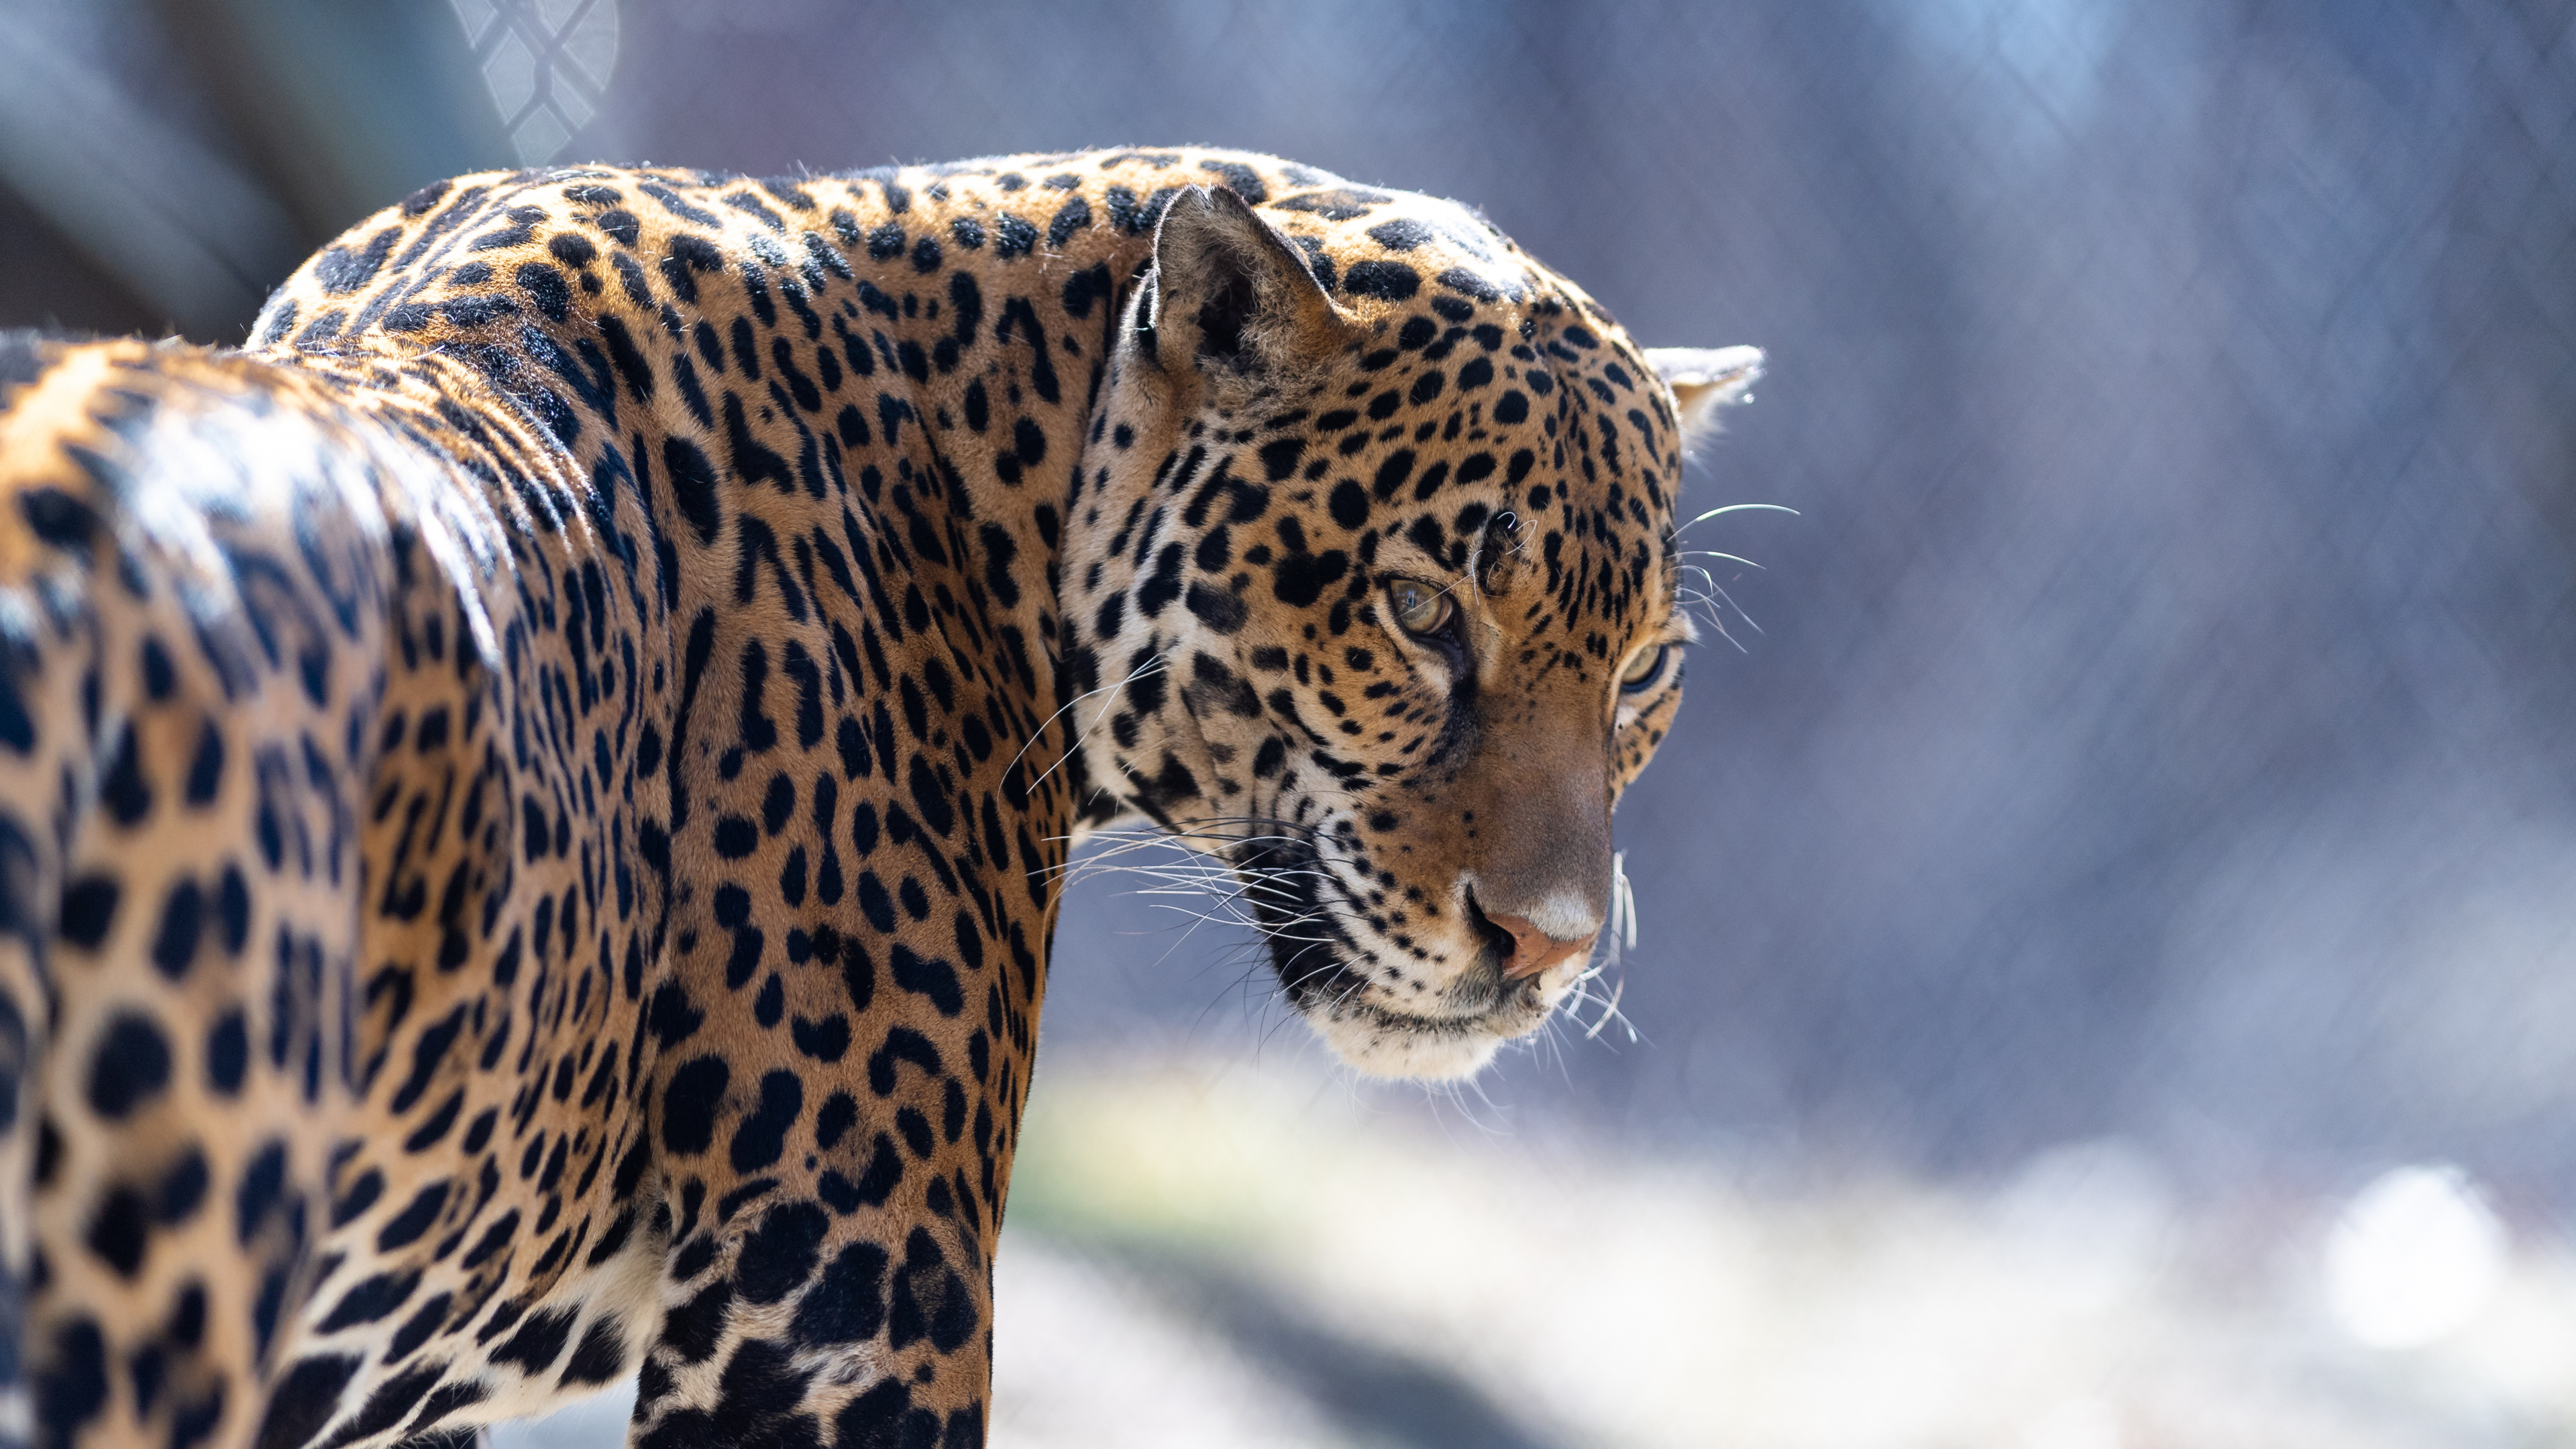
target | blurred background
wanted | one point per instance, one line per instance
(2106, 967)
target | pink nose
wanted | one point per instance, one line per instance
(1534, 950)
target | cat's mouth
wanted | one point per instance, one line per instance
(1339, 983)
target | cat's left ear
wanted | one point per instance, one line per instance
(1704, 381)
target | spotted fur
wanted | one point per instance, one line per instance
(532, 799)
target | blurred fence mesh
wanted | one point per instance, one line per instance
(546, 63)
(2161, 717)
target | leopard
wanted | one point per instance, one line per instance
(535, 794)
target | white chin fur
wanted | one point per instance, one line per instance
(1385, 1046)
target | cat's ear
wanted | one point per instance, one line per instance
(1232, 296)
(1705, 381)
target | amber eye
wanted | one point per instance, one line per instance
(1420, 608)
(1644, 669)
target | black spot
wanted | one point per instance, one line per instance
(777, 1259)
(444, 1401)
(1400, 235)
(827, 1040)
(476, 311)
(232, 910)
(671, 1017)
(362, 1195)
(59, 519)
(858, 973)
(124, 792)
(228, 1053)
(928, 976)
(1459, 279)
(1279, 457)
(689, 254)
(931, 797)
(693, 1259)
(182, 1189)
(539, 1342)
(17, 731)
(884, 1174)
(693, 1329)
(495, 1238)
(72, 1386)
(1074, 217)
(416, 1330)
(840, 1112)
(1028, 442)
(1300, 578)
(303, 1400)
(1083, 287)
(393, 1401)
(600, 1359)
(1398, 467)
(183, 914)
(1218, 608)
(434, 1129)
(848, 1304)
(160, 676)
(736, 837)
(540, 830)
(690, 1103)
(1163, 585)
(1386, 281)
(852, 742)
(930, 1299)
(187, 1327)
(118, 1234)
(89, 909)
(1350, 503)
(748, 943)
(414, 1220)
(546, 288)
(1240, 179)
(342, 270)
(371, 1300)
(762, 1136)
(693, 486)
(132, 1066)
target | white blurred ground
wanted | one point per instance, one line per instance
(1219, 1254)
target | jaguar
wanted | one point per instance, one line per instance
(534, 795)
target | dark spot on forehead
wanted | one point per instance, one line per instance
(1459, 279)
(1400, 235)
(1240, 179)
(1386, 281)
